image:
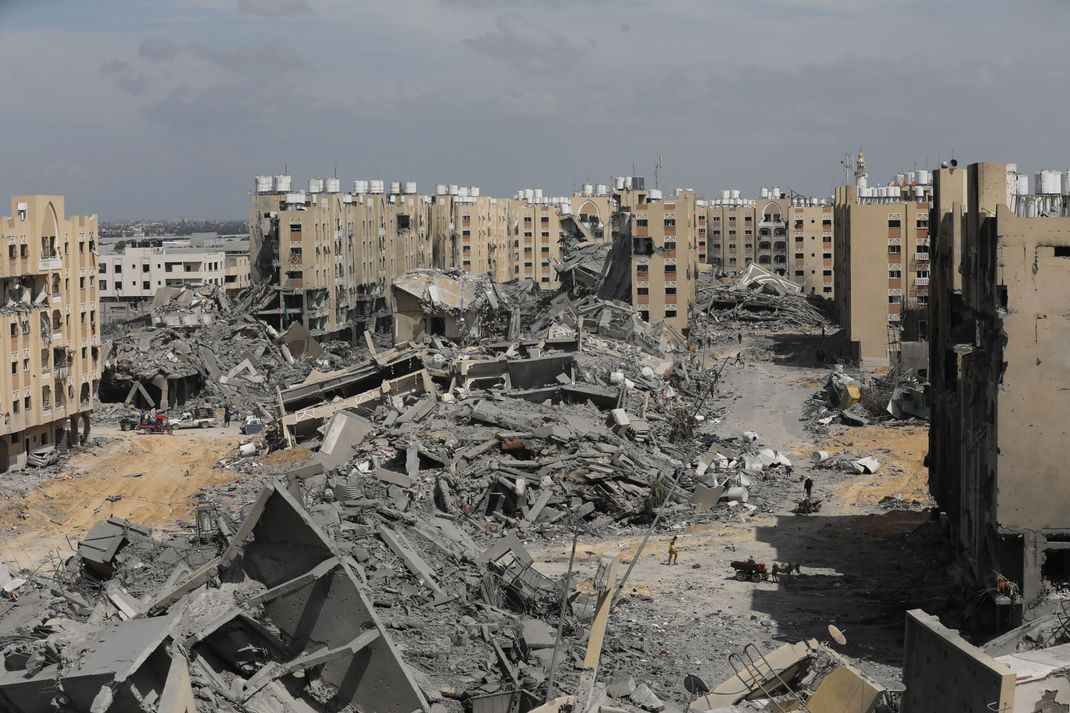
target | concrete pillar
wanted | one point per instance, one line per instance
(85, 428)
(160, 382)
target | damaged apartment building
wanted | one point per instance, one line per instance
(51, 330)
(998, 363)
(326, 258)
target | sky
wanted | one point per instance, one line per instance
(165, 108)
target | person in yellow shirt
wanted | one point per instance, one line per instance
(673, 552)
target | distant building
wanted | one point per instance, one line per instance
(880, 261)
(789, 235)
(129, 278)
(49, 327)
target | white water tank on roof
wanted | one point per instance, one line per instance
(376, 186)
(764, 193)
(463, 192)
(538, 194)
(283, 184)
(919, 192)
(735, 194)
(1065, 183)
(454, 189)
(332, 185)
(725, 195)
(474, 191)
(618, 183)
(529, 195)
(395, 187)
(263, 184)
(410, 187)
(655, 194)
(924, 178)
(588, 189)
(628, 182)
(295, 198)
(440, 189)
(360, 187)
(900, 178)
(602, 190)
(315, 185)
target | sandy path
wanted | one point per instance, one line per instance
(154, 478)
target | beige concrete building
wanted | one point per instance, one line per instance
(135, 273)
(664, 252)
(49, 329)
(788, 235)
(537, 242)
(235, 273)
(880, 263)
(998, 352)
(329, 257)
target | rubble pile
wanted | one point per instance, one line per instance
(200, 350)
(758, 297)
(862, 400)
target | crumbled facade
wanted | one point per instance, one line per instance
(50, 327)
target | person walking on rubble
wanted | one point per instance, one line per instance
(808, 486)
(226, 416)
(739, 337)
(673, 552)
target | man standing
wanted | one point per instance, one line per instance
(226, 416)
(808, 486)
(673, 552)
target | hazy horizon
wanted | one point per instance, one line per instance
(154, 110)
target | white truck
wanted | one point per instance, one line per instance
(198, 418)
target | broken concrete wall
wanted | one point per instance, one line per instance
(943, 672)
(321, 610)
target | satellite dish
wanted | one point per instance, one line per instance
(837, 635)
(695, 685)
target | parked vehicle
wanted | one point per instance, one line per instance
(128, 423)
(197, 418)
(41, 457)
(156, 424)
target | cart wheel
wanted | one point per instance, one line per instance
(756, 577)
(741, 575)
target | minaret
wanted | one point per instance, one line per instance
(861, 177)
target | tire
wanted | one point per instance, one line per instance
(202, 424)
(741, 575)
(756, 577)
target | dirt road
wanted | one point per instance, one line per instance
(150, 479)
(860, 565)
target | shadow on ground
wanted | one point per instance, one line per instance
(812, 350)
(861, 573)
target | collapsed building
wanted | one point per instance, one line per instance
(996, 352)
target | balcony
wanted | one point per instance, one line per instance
(62, 372)
(921, 281)
(921, 257)
(50, 263)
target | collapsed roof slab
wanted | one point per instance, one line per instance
(316, 603)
